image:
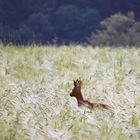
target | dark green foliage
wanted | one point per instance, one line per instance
(68, 23)
(14, 12)
(40, 27)
(40, 21)
(8, 35)
(91, 18)
(117, 30)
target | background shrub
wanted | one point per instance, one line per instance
(117, 30)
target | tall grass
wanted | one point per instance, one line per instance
(35, 83)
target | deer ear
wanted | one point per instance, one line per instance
(74, 82)
(80, 82)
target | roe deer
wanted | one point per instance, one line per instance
(76, 92)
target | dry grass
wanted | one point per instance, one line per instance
(35, 83)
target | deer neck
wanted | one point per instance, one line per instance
(79, 98)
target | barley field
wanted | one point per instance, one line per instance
(35, 82)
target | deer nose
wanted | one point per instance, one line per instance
(70, 94)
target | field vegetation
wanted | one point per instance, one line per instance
(35, 82)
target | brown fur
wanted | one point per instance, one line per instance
(77, 93)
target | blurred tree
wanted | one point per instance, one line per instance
(23, 35)
(103, 6)
(91, 19)
(117, 30)
(14, 12)
(136, 8)
(67, 20)
(118, 22)
(40, 27)
(122, 6)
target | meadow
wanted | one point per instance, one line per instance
(35, 82)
